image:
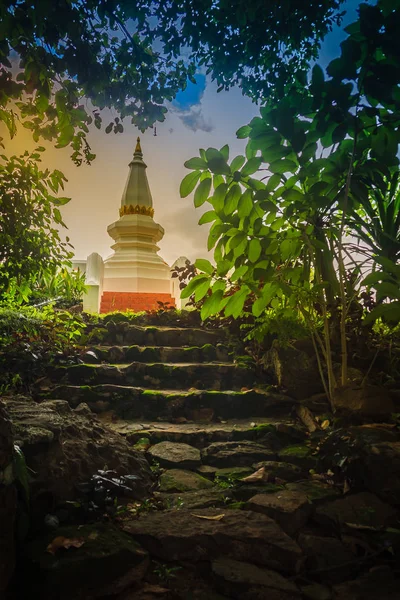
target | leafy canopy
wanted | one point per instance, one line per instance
(134, 57)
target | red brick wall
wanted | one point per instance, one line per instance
(135, 301)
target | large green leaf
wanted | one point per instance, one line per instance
(245, 204)
(212, 305)
(218, 198)
(202, 192)
(208, 217)
(196, 163)
(193, 284)
(235, 304)
(204, 265)
(232, 198)
(254, 250)
(189, 183)
(237, 163)
(283, 166)
(252, 165)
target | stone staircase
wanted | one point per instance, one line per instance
(172, 374)
(205, 422)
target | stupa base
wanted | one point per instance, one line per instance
(134, 301)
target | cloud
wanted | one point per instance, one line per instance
(187, 106)
(195, 120)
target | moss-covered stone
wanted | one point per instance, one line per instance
(179, 480)
(233, 473)
(300, 455)
(107, 561)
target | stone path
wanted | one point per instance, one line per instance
(206, 424)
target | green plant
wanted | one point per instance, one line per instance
(283, 242)
(32, 338)
(165, 572)
(30, 244)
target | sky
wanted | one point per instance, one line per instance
(198, 118)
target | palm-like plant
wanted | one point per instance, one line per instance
(376, 219)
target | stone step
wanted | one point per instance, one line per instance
(152, 354)
(200, 434)
(124, 333)
(212, 376)
(136, 402)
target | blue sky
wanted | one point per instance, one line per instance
(198, 118)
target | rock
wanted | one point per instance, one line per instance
(149, 592)
(295, 368)
(207, 471)
(290, 510)
(244, 580)
(315, 591)
(63, 448)
(235, 454)
(379, 584)
(177, 480)
(372, 453)
(197, 499)
(233, 473)
(315, 491)
(243, 493)
(282, 470)
(324, 553)
(173, 455)
(299, 455)
(363, 509)
(241, 535)
(108, 562)
(8, 501)
(367, 400)
(83, 409)
(382, 470)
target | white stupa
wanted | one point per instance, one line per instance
(135, 276)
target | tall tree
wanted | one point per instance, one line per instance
(135, 56)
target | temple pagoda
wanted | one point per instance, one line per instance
(135, 276)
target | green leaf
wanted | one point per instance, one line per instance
(243, 132)
(254, 250)
(218, 198)
(189, 183)
(239, 272)
(317, 77)
(232, 198)
(235, 304)
(204, 265)
(252, 165)
(245, 204)
(373, 278)
(388, 290)
(201, 291)
(237, 163)
(192, 285)
(216, 162)
(212, 305)
(202, 192)
(283, 166)
(208, 217)
(390, 311)
(196, 163)
(225, 152)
